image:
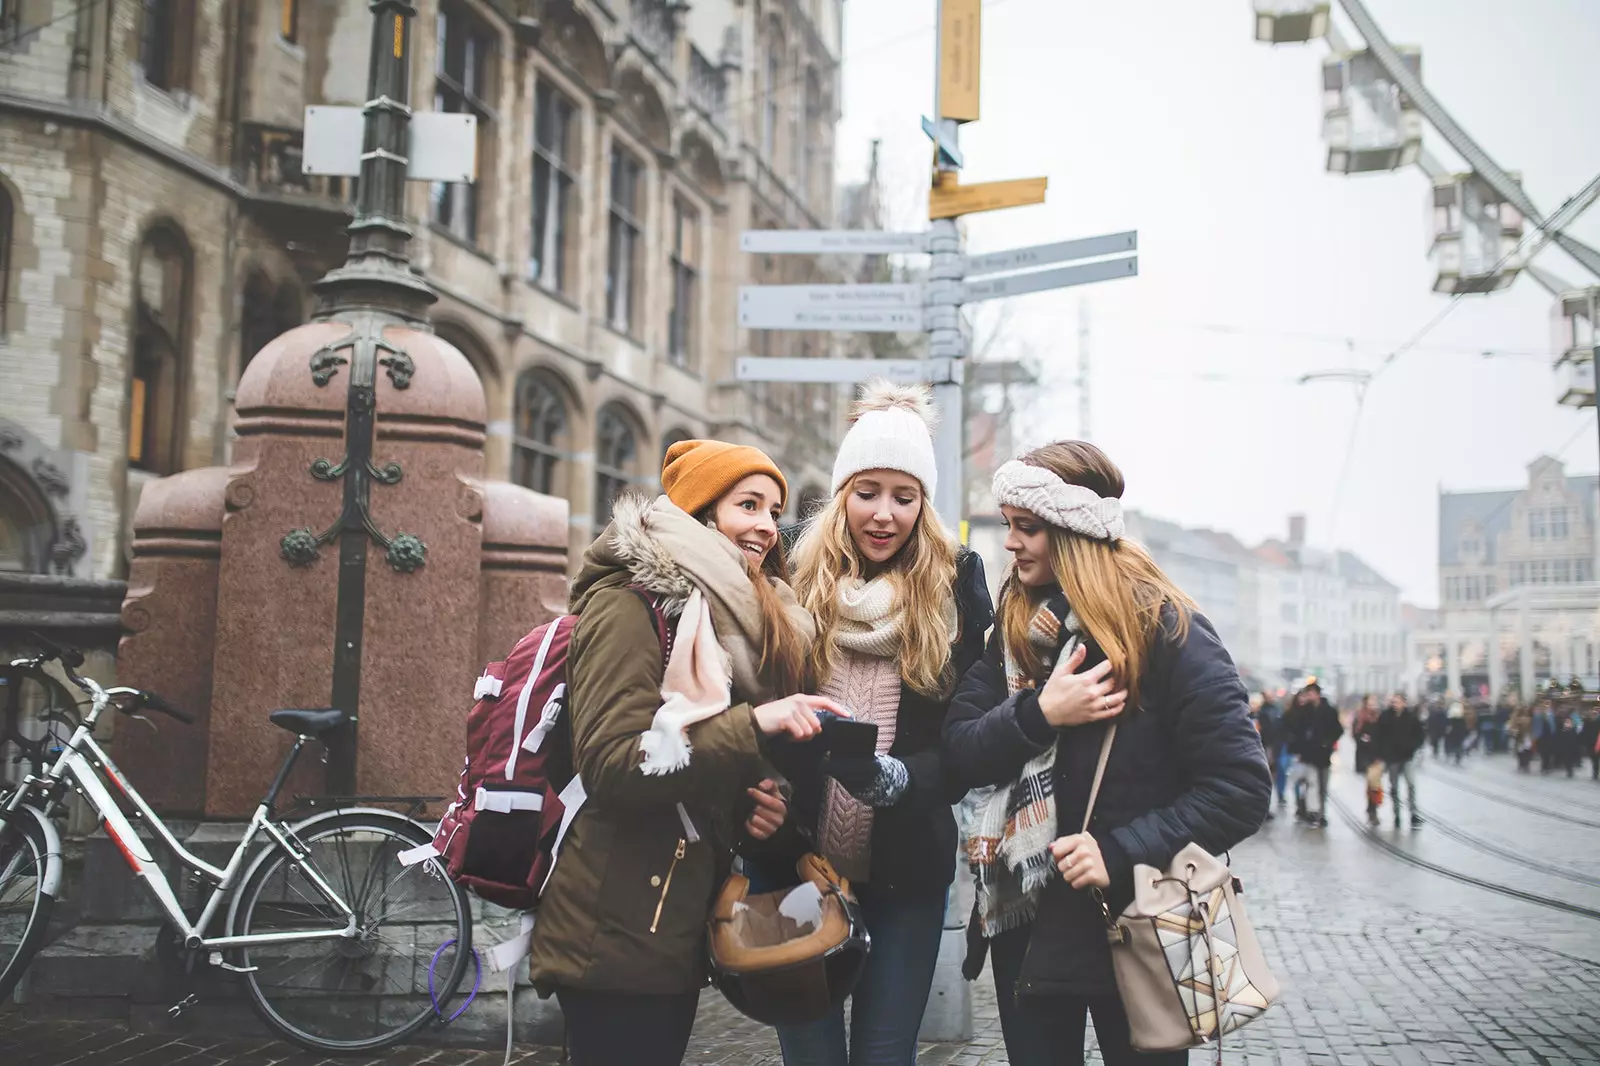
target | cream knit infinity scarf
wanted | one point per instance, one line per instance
(868, 621)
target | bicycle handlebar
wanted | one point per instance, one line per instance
(70, 659)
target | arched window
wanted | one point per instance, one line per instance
(673, 436)
(158, 375)
(265, 314)
(540, 432)
(6, 227)
(616, 460)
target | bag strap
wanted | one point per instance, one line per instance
(1099, 774)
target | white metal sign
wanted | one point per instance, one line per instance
(1039, 280)
(1040, 255)
(443, 145)
(826, 297)
(823, 241)
(843, 319)
(830, 371)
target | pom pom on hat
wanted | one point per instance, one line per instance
(892, 429)
(697, 473)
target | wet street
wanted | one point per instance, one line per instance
(1475, 939)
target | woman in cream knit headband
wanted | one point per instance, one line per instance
(1091, 635)
(901, 613)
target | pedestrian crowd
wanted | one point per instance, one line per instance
(1560, 731)
(1092, 723)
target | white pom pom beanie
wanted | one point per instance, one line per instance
(892, 431)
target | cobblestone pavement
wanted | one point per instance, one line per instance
(1384, 962)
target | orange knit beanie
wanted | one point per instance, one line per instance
(697, 473)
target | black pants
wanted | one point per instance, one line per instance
(613, 1028)
(1049, 1030)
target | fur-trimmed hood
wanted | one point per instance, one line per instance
(657, 546)
(627, 552)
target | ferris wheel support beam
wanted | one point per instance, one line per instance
(1430, 108)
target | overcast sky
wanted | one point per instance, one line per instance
(1165, 116)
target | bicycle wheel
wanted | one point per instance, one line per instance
(24, 906)
(360, 993)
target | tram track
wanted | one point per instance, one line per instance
(1359, 825)
(1501, 851)
(1510, 801)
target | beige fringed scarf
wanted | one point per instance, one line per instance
(717, 645)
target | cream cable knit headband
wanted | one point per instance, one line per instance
(1033, 488)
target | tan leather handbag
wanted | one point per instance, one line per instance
(1189, 968)
(775, 970)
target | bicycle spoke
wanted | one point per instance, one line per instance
(363, 991)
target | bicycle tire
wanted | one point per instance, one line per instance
(22, 844)
(331, 1022)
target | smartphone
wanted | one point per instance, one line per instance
(846, 737)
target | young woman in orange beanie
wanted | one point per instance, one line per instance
(670, 750)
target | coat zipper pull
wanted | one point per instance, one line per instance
(666, 885)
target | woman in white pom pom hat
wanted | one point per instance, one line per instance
(1091, 634)
(901, 613)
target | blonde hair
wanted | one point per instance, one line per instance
(1115, 588)
(922, 573)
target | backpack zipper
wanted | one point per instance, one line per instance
(666, 885)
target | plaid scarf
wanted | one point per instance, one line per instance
(1011, 827)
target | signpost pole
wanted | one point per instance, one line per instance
(945, 337)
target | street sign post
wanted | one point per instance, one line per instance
(825, 241)
(844, 371)
(949, 198)
(1040, 280)
(960, 38)
(1039, 255)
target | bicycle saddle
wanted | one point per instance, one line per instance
(308, 722)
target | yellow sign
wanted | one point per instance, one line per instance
(399, 34)
(958, 58)
(948, 198)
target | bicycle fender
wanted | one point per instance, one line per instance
(267, 850)
(50, 885)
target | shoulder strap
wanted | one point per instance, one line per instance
(657, 619)
(1099, 774)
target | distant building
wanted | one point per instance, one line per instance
(1516, 584)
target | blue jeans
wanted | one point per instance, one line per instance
(887, 1005)
(1281, 762)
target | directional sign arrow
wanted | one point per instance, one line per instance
(1044, 254)
(1039, 280)
(845, 319)
(827, 371)
(949, 154)
(823, 241)
(829, 297)
(947, 198)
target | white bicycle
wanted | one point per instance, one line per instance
(346, 936)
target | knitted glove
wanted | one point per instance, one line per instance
(878, 781)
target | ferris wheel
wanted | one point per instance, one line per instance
(1375, 108)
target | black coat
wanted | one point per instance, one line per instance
(1400, 735)
(914, 842)
(1314, 731)
(1186, 766)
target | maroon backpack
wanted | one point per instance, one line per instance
(499, 838)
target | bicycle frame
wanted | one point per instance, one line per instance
(84, 772)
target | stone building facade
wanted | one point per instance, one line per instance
(156, 230)
(1517, 593)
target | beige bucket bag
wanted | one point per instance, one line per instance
(1187, 962)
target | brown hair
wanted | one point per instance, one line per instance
(783, 659)
(1115, 588)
